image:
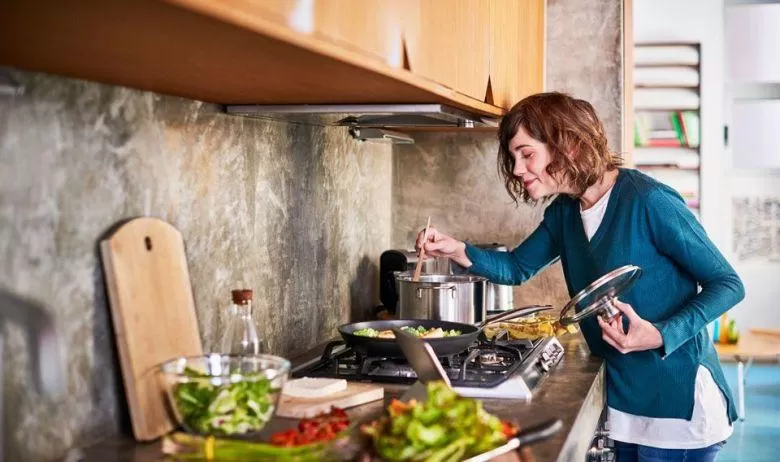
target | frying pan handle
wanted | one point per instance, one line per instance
(539, 432)
(515, 313)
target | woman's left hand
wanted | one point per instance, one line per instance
(641, 334)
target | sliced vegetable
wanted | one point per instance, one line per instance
(418, 331)
(224, 407)
(321, 428)
(183, 446)
(445, 428)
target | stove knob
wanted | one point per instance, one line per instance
(545, 356)
(545, 366)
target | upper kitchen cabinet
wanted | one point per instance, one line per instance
(288, 51)
(450, 44)
(373, 28)
(516, 50)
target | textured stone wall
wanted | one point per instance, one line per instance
(299, 214)
(453, 177)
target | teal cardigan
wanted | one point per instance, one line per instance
(646, 224)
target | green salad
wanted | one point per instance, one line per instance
(446, 427)
(418, 331)
(223, 407)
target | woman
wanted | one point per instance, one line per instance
(666, 393)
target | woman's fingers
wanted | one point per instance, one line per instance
(613, 333)
(612, 342)
(421, 237)
(617, 323)
(626, 309)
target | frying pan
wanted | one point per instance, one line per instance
(445, 346)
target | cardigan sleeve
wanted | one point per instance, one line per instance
(678, 235)
(535, 253)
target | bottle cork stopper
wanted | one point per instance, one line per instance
(242, 296)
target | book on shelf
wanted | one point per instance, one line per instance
(671, 129)
(689, 123)
(663, 142)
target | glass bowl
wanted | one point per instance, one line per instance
(217, 394)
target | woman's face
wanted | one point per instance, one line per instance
(531, 159)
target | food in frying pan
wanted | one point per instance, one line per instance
(419, 331)
(446, 427)
(531, 327)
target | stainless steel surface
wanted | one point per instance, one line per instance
(499, 297)
(441, 297)
(366, 115)
(602, 447)
(380, 135)
(46, 355)
(395, 261)
(597, 297)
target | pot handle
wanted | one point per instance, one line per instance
(515, 313)
(441, 287)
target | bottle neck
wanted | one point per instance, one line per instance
(244, 309)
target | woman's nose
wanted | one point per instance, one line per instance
(519, 168)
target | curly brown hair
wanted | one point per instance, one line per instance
(566, 125)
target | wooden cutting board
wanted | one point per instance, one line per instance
(355, 394)
(153, 312)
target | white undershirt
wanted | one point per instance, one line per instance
(709, 423)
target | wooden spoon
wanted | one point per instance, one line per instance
(421, 255)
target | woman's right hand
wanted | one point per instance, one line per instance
(439, 244)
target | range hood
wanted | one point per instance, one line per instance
(386, 116)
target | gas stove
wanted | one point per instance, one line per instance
(486, 369)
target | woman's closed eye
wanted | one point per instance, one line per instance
(527, 154)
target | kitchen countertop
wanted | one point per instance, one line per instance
(573, 392)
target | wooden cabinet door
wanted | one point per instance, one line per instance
(448, 43)
(516, 50)
(371, 27)
(473, 67)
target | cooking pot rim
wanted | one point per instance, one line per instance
(434, 278)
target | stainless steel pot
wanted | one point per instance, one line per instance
(499, 297)
(442, 297)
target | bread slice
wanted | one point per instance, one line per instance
(313, 387)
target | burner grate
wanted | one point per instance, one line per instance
(485, 364)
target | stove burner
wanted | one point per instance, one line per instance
(484, 364)
(488, 359)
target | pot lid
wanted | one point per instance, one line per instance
(596, 298)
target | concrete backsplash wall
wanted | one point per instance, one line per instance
(453, 177)
(299, 214)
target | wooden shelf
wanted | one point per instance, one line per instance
(683, 149)
(215, 51)
(667, 64)
(669, 109)
(666, 44)
(668, 86)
